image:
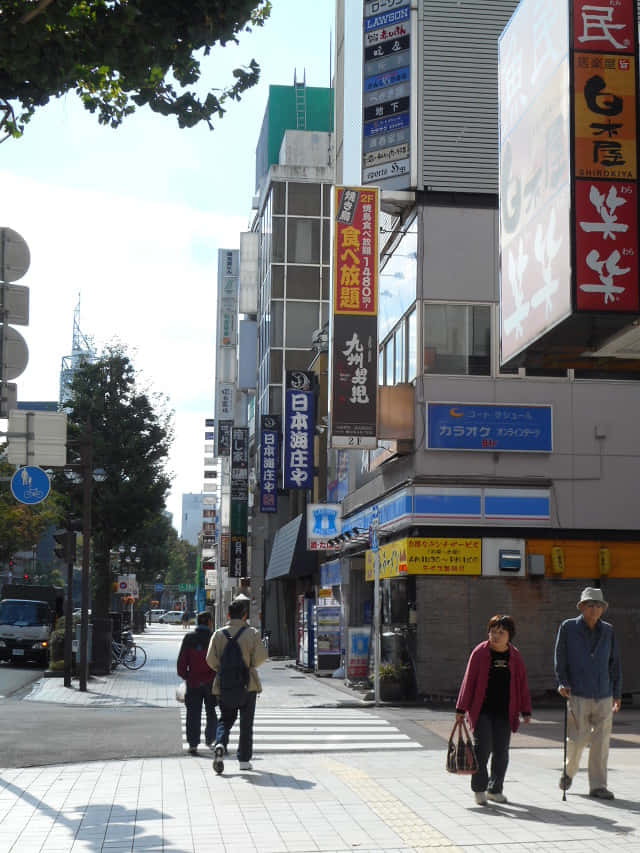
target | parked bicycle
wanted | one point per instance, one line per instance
(127, 653)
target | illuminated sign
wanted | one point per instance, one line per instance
(427, 556)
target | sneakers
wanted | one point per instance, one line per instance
(601, 794)
(496, 798)
(481, 798)
(218, 763)
(565, 782)
(245, 765)
(193, 750)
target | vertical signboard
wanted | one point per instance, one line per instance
(300, 421)
(226, 343)
(535, 175)
(605, 193)
(354, 347)
(386, 95)
(239, 501)
(269, 457)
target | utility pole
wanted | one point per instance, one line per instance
(86, 461)
(375, 547)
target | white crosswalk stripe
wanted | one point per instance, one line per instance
(316, 730)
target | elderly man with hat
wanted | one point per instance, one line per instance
(587, 665)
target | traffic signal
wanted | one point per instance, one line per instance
(65, 548)
(26, 576)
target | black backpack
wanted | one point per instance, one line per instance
(233, 678)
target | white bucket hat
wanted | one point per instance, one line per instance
(592, 593)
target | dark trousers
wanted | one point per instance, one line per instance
(193, 700)
(491, 737)
(228, 717)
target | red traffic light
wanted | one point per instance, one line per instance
(26, 576)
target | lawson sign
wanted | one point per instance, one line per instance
(497, 428)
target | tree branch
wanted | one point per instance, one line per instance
(42, 5)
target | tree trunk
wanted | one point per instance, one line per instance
(102, 588)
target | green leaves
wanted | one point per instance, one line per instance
(119, 56)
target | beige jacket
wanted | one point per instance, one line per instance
(253, 652)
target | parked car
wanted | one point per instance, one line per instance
(171, 617)
(156, 615)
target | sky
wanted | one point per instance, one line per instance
(130, 221)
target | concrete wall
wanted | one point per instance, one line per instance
(453, 615)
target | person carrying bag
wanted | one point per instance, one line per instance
(461, 756)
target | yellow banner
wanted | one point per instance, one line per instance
(427, 556)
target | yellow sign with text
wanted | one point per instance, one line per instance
(427, 556)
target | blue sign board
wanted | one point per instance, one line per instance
(299, 431)
(269, 462)
(30, 485)
(496, 428)
(375, 22)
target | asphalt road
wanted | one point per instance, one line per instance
(37, 733)
(13, 678)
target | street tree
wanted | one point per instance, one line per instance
(22, 525)
(129, 435)
(118, 56)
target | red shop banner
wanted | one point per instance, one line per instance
(356, 251)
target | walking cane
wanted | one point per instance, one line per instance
(564, 762)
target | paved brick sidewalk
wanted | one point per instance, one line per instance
(305, 803)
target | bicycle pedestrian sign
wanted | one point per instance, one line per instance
(30, 485)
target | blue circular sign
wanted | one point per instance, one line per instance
(30, 485)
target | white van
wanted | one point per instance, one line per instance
(154, 615)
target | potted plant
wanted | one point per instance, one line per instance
(392, 686)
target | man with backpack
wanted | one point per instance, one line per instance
(235, 653)
(192, 666)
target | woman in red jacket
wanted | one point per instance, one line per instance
(494, 693)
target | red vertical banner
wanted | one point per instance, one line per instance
(605, 155)
(354, 352)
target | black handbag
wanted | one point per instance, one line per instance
(461, 755)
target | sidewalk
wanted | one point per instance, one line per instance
(293, 803)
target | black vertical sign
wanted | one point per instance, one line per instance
(239, 501)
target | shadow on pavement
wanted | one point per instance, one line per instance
(92, 832)
(520, 811)
(277, 780)
(632, 806)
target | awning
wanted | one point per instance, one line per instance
(289, 555)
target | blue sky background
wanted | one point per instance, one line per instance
(132, 219)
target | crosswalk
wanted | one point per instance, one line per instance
(317, 730)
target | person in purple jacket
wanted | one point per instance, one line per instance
(493, 695)
(193, 667)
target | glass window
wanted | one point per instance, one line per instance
(413, 346)
(398, 281)
(276, 366)
(295, 359)
(326, 283)
(399, 354)
(457, 339)
(303, 318)
(277, 194)
(326, 242)
(326, 199)
(388, 362)
(277, 281)
(276, 323)
(303, 241)
(303, 282)
(324, 313)
(304, 199)
(275, 400)
(381, 367)
(277, 243)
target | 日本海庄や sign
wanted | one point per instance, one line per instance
(269, 462)
(478, 426)
(299, 430)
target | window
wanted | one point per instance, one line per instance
(302, 321)
(277, 310)
(303, 282)
(388, 362)
(381, 367)
(303, 241)
(277, 244)
(413, 346)
(399, 355)
(304, 200)
(457, 339)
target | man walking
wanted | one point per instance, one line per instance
(235, 653)
(193, 667)
(587, 665)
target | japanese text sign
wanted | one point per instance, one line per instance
(605, 192)
(239, 501)
(356, 251)
(476, 426)
(269, 462)
(427, 556)
(299, 430)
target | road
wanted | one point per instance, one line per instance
(135, 715)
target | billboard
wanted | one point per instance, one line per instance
(239, 501)
(490, 427)
(299, 430)
(535, 178)
(568, 171)
(354, 331)
(386, 94)
(269, 462)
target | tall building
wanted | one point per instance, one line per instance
(191, 518)
(82, 350)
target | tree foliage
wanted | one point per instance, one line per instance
(130, 439)
(118, 55)
(21, 525)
